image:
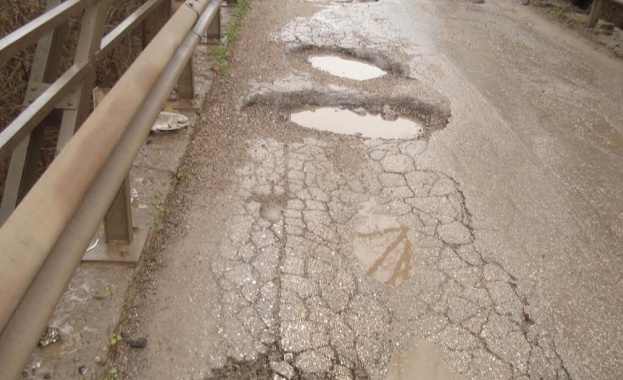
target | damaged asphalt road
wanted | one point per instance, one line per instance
(481, 247)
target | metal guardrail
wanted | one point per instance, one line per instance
(44, 238)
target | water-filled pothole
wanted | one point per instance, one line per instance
(430, 113)
(390, 64)
(346, 68)
(347, 122)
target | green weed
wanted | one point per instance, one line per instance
(575, 18)
(222, 52)
(161, 212)
(112, 373)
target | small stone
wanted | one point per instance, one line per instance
(98, 359)
(138, 342)
(50, 335)
(83, 369)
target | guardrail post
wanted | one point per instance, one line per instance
(214, 29)
(154, 22)
(24, 160)
(77, 104)
(118, 221)
(595, 12)
(118, 225)
(186, 83)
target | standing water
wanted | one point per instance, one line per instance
(346, 68)
(347, 122)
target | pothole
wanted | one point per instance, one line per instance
(346, 68)
(378, 59)
(269, 207)
(347, 122)
(352, 113)
(275, 364)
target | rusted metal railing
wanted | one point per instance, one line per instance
(44, 237)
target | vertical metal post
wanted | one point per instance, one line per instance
(595, 12)
(186, 83)
(118, 225)
(22, 168)
(214, 29)
(118, 221)
(154, 22)
(78, 103)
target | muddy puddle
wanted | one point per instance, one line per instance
(346, 122)
(346, 68)
(423, 362)
(382, 247)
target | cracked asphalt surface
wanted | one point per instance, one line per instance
(493, 242)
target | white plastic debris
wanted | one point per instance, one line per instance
(170, 121)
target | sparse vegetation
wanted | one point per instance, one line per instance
(112, 373)
(110, 288)
(576, 18)
(180, 175)
(221, 52)
(161, 212)
(115, 338)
